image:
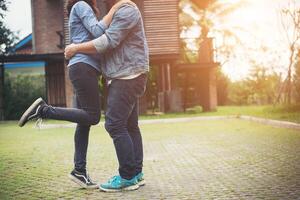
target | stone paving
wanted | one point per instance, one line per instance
(215, 159)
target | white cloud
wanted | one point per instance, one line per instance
(18, 18)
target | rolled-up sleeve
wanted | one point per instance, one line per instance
(123, 22)
(89, 20)
(101, 43)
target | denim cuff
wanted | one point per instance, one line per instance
(101, 43)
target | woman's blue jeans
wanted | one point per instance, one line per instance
(84, 79)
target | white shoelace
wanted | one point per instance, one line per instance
(38, 123)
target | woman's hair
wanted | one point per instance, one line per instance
(109, 3)
(92, 3)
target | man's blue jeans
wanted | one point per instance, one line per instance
(121, 123)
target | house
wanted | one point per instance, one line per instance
(24, 47)
(161, 21)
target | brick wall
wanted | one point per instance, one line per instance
(47, 19)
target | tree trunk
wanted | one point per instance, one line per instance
(289, 76)
(1, 91)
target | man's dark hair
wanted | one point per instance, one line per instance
(110, 3)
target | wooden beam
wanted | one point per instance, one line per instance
(196, 66)
(32, 57)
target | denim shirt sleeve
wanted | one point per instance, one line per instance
(89, 20)
(123, 22)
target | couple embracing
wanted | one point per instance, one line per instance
(116, 47)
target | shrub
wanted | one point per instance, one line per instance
(20, 92)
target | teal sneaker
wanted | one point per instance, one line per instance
(140, 179)
(117, 184)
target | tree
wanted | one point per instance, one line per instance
(258, 89)
(207, 14)
(222, 87)
(290, 21)
(7, 37)
(262, 83)
(210, 15)
(17, 96)
(297, 80)
(239, 93)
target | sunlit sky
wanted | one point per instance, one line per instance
(19, 17)
(258, 18)
(261, 22)
(257, 23)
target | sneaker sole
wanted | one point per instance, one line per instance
(129, 188)
(142, 183)
(23, 121)
(74, 179)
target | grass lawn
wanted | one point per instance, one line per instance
(223, 159)
(286, 113)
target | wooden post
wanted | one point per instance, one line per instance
(68, 88)
(173, 94)
(207, 82)
(56, 83)
(185, 90)
(208, 89)
(161, 82)
(174, 77)
(168, 77)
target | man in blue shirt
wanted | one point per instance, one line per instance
(125, 49)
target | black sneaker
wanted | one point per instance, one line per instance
(33, 112)
(82, 179)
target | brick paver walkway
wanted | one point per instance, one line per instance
(221, 159)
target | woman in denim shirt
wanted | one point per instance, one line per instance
(83, 72)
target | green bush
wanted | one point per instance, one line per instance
(20, 92)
